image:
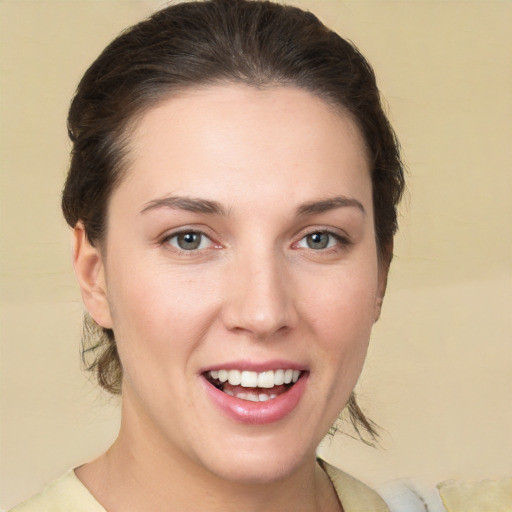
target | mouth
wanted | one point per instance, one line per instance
(254, 386)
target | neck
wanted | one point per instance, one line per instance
(142, 472)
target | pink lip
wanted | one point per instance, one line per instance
(257, 413)
(251, 366)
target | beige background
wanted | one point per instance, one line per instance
(439, 375)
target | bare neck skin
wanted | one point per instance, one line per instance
(136, 475)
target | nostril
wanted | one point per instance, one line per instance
(253, 321)
(258, 298)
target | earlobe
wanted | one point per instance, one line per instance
(90, 273)
(384, 263)
(378, 307)
(379, 298)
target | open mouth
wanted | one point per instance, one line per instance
(253, 386)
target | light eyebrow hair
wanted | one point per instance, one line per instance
(325, 205)
(190, 204)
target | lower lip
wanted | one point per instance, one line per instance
(257, 413)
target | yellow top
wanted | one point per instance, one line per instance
(68, 494)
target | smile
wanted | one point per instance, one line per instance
(253, 386)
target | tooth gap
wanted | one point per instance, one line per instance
(215, 382)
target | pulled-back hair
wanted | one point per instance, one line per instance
(257, 43)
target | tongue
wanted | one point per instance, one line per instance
(276, 390)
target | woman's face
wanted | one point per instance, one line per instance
(240, 244)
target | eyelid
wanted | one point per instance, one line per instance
(164, 240)
(203, 240)
(339, 235)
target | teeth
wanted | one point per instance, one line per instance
(265, 380)
(279, 377)
(249, 379)
(252, 397)
(234, 377)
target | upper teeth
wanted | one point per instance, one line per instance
(248, 379)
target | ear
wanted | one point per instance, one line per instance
(90, 273)
(384, 263)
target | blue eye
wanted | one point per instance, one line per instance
(318, 240)
(189, 241)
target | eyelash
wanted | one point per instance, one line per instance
(166, 240)
(340, 242)
(335, 243)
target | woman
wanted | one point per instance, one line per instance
(232, 192)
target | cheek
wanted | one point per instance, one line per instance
(342, 317)
(346, 305)
(156, 312)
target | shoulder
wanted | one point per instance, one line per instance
(352, 493)
(67, 494)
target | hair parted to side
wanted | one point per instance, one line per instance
(257, 43)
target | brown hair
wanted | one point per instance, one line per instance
(257, 43)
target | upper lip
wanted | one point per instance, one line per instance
(256, 366)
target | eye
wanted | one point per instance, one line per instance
(189, 241)
(318, 240)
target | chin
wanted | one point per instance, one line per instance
(257, 472)
(259, 465)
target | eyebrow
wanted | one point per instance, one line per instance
(207, 206)
(325, 205)
(190, 204)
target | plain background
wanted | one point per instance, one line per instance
(439, 374)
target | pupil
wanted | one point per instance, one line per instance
(189, 241)
(318, 240)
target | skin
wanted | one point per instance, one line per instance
(254, 290)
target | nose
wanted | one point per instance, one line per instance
(259, 298)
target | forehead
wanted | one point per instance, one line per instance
(235, 139)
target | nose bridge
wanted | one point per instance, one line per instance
(259, 296)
